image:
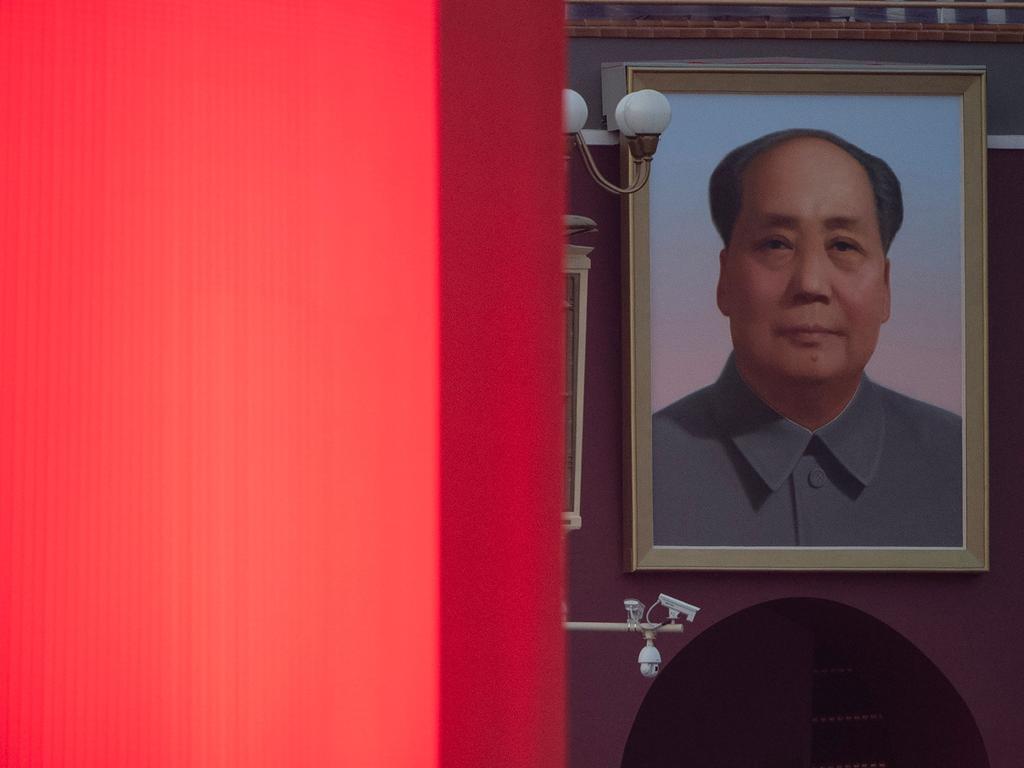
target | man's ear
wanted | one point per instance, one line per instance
(887, 308)
(722, 292)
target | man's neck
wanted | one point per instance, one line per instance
(811, 404)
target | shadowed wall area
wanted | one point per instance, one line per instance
(803, 682)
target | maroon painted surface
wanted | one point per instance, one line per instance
(968, 625)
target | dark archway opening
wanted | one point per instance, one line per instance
(799, 683)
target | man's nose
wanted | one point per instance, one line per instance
(810, 280)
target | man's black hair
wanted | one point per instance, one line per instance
(725, 191)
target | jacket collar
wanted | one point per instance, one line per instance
(772, 444)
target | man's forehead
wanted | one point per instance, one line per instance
(805, 156)
(768, 218)
(804, 173)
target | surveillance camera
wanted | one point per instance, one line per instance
(634, 611)
(675, 607)
(649, 660)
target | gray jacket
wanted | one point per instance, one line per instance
(729, 471)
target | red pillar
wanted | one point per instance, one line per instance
(501, 362)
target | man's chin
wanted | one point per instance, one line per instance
(805, 372)
(812, 377)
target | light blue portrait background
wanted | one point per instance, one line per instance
(920, 350)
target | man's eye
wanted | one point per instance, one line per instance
(775, 244)
(843, 246)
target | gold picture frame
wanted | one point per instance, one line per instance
(843, 92)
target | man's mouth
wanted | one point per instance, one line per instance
(808, 332)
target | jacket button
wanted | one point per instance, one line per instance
(817, 477)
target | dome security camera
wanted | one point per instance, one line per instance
(649, 660)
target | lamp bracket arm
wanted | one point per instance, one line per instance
(643, 172)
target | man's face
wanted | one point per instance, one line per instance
(804, 280)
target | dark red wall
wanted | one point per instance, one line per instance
(968, 625)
